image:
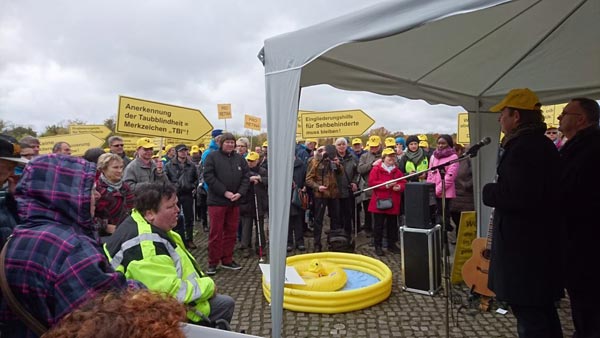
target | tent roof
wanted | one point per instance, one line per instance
(458, 60)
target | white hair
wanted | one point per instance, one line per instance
(341, 140)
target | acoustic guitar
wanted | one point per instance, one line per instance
(475, 270)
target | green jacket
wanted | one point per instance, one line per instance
(159, 259)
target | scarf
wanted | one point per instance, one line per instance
(387, 168)
(443, 153)
(111, 185)
(415, 156)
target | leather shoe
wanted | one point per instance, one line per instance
(290, 248)
(301, 247)
(191, 245)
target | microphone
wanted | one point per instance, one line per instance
(475, 148)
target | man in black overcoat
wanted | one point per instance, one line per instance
(527, 238)
(580, 200)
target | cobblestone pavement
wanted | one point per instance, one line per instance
(403, 314)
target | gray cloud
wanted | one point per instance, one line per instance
(63, 60)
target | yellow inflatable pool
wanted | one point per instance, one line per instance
(337, 301)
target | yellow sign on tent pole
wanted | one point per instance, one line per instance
(462, 134)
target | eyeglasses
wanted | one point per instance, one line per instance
(117, 145)
(565, 113)
(551, 132)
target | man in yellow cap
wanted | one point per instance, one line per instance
(527, 239)
(169, 154)
(196, 155)
(311, 145)
(357, 148)
(264, 156)
(254, 203)
(390, 142)
(365, 164)
(143, 168)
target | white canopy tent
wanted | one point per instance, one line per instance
(467, 53)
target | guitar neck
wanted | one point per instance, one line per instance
(490, 228)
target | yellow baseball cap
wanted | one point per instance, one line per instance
(265, 144)
(374, 141)
(387, 151)
(356, 141)
(424, 144)
(520, 98)
(390, 142)
(168, 147)
(145, 142)
(252, 156)
(195, 149)
(422, 137)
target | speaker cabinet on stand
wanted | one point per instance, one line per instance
(421, 259)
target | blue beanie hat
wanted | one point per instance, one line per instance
(400, 140)
(216, 132)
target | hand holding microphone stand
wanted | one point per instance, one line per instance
(472, 152)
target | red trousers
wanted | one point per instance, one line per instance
(223, 230)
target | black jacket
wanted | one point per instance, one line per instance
(184, 176)
(299, 178)
(225, 172)
(247, 204)
(525, 266)
(580, 199)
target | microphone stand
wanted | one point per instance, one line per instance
(441, 168)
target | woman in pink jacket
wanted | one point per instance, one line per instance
(442, 154)
(383, 171)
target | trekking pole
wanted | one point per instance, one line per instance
(258, 232)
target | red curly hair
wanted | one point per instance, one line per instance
(133, 314)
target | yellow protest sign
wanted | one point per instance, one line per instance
(252, 122)
(224, 110)
(143, 117)
(462, 134)
(130, 142)
(467, 232)
(98, 130)
(551, 113)
(335, 124)
(79, 143)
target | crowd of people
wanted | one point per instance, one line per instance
(75, 228)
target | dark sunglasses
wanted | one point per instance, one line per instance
(117, 145)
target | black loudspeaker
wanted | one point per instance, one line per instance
(421, 259)
(419, 205)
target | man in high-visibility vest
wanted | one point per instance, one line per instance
(145, 248)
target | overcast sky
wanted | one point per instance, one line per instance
(67, 60)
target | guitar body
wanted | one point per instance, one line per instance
(475, 270)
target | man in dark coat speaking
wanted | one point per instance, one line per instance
(525, 267)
